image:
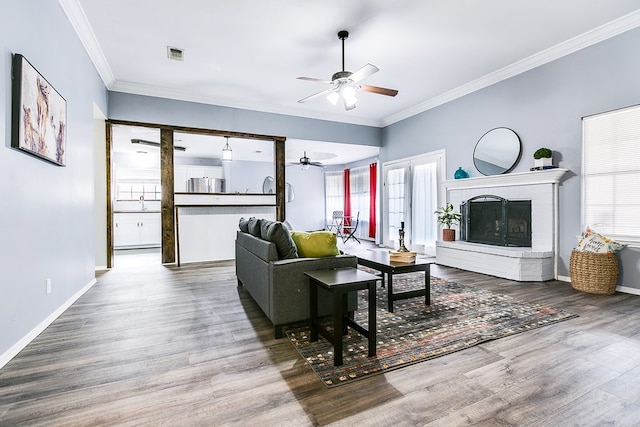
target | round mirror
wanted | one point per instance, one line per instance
(497, 151)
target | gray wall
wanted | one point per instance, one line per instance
(180, 113)
(544, 106)
(47, 214)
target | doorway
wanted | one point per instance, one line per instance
(411, 195)
(136, 195)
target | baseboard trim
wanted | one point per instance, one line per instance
(628, 290)
(623, 289)
(20, 345)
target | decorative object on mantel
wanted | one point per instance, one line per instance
(543, 157)
(460, 173)
(593, 266)
(446, 217)
(497, 151)
(460, 316)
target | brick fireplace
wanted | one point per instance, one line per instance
(535, 263)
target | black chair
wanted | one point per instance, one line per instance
(349, 228)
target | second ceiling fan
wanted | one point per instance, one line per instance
(344, 84)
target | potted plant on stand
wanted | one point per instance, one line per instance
(543, 157)
(446, 217)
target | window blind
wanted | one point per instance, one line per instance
(611, 174)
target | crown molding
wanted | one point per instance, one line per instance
(604, 32)
(78, 19)
(80, 23)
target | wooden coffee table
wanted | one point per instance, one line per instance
(379, 260)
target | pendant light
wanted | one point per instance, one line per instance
(227, 153)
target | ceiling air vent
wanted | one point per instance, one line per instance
(175, 53)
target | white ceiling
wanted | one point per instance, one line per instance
(247, 54)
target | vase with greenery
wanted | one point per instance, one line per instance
(447, 216)
(543, 157)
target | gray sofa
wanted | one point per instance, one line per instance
(279, 286)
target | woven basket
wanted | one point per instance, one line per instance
(593, 272)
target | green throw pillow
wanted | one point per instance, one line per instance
(315, 244)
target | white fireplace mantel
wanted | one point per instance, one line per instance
(537, 263)
(549, 176)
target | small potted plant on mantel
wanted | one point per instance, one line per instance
(446, 217)
(543, 157)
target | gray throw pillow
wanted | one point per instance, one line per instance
(254, 227)
(277, 233)
(244, 225)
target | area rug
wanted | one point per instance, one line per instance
(459, 317)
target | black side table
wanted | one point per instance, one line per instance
(339, 282)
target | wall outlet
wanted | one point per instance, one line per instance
(48, 286)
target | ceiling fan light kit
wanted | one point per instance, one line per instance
(345, 83)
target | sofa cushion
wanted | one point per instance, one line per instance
(276, 232)
(244, 225)
(254, 227)
(315, 244)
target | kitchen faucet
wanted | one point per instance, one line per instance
(142, 203)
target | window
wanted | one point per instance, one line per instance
(133, 191)
(396, 206)
(334, 194)
(611, 174)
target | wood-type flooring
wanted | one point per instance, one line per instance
(158, 345)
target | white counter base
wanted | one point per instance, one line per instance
(520, 264)
(208, 233)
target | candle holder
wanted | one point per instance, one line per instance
(402, 248)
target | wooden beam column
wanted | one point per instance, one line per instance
(167, 209)
(281, 196)
(109, 197)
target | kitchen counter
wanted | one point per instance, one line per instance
(136, 211)
(224, 199)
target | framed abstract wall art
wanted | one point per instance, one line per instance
(39, 114)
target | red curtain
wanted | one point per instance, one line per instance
(373, 179)
(347, 195)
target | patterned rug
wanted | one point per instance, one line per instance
(459, 317)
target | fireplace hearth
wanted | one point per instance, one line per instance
(494, 220)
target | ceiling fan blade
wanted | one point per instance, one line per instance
(312, 79)
(317, 95)
(379, 90)
(363, 72)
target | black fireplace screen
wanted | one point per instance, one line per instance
(496, 221)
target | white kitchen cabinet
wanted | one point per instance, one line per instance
(137, 229)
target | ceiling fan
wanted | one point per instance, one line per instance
(305, 162)
(345, 83)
